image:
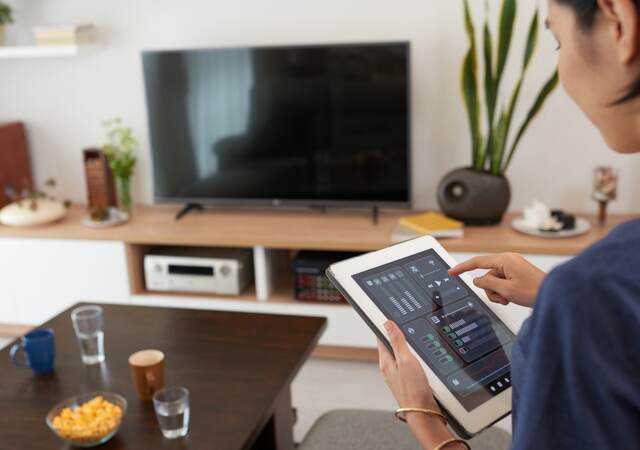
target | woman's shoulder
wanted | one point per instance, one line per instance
(604, 275)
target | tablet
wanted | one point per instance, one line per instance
(457, 334)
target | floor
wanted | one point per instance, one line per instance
(324, 385)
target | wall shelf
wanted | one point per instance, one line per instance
(34, 51)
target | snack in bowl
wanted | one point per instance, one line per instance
(88, 420)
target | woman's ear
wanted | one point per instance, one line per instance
(621, 18)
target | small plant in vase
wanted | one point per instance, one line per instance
(120, 152)
(30, 207)
(6, 18)
(31, 198)
(480, 194)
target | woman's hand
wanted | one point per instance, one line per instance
(403, 374)
(410, 387)
(511, 278)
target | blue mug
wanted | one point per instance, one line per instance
(39, 350)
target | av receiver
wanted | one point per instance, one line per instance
(200, 270)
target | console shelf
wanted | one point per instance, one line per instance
(33, 51)
(293, 230)
(272, 234)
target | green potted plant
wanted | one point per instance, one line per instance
(120, 152)
(5, 19)
(480, 194)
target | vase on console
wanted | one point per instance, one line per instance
(123, 193)
(120, 152)
(475, 198)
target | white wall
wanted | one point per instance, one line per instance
(64, 100)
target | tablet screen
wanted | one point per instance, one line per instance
(446, 323)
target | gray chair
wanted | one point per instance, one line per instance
(379, 430)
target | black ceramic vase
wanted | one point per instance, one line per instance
(475, 198)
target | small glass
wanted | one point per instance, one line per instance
(172, 410)
(88, 323)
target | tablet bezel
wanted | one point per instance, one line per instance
(472, 422)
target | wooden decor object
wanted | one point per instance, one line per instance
(101, 192)
(15, 166)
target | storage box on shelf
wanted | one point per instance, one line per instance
(310, 284)
(54, 266)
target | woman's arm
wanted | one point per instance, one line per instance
(410, 387)
(511, 278)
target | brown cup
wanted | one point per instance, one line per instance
(147, 371)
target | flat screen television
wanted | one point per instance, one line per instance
(323, 125)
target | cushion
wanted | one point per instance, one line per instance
(379, 430)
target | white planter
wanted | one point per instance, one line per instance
(2, 28)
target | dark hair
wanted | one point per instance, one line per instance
(586, 11)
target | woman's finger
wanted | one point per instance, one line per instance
(387, 363)
(496, 273)
(495, 284)
(398, 342)
(385, 358)
(496, 298)
(477, 262)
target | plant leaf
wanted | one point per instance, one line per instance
(544, 93)
(470, 93)
(470, 86)
(489, 88)
(488, 68)
(532, 41)
(505, 33)
(496, 163)
(502, 130)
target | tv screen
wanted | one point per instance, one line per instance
(314, 125)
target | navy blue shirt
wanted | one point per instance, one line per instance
(576, 362)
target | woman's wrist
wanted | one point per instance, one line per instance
(430, 431)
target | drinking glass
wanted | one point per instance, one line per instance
(88, 323)
(172, 410)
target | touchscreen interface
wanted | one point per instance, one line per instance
(446, 323)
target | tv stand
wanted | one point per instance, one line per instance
(186, 209)
(117, 255)
(375, 215)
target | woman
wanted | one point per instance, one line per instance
(576, 364)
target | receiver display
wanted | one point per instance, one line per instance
(175, 269)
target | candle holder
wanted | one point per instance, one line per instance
(605, 189)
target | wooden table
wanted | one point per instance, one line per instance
(238, 368)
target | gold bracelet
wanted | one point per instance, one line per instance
(400, 413)
(452, 441)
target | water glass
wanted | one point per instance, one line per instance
(88, 323)
(172, 410)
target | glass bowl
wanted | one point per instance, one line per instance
(91, 435)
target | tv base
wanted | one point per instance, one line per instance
(375, 212)
(186, 209)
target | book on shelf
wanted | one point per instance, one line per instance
(431, 223)
(64, 35)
